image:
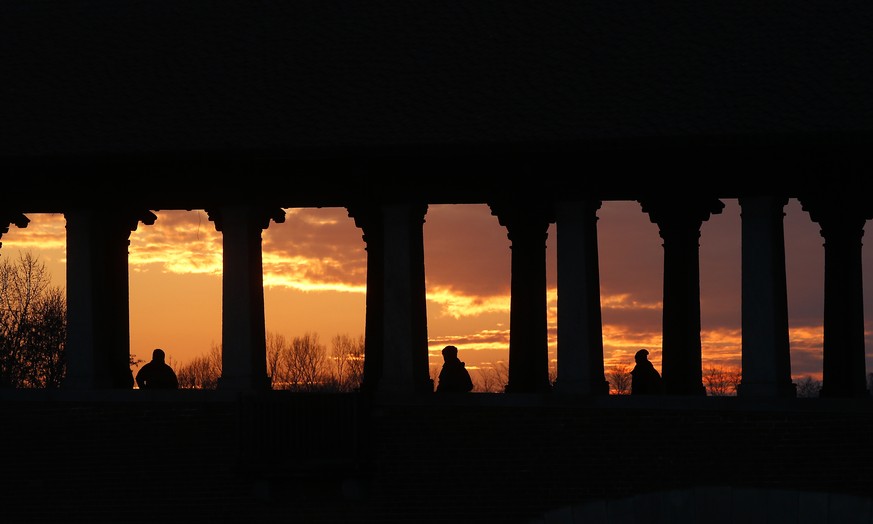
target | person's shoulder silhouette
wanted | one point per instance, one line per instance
(157, 374)
(645, 379)
(454, 377)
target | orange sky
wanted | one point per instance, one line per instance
(315, 274)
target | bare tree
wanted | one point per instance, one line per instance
(275, 346)
(485, 380)
(347, 355)
(720, 381)
(33, 325)
(619, 378)
(299, 365)
(203, 372)
(47, 340)
(434, 374)
(491, 379)
(302, 364)
(501, 369)
(808, 387)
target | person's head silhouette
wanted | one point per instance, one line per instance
(158, 355)
(642, 355)
(450, 353)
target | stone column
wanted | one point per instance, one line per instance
(527, 227)
(98, 297)
(580, 329)
(842, 220)
(243, 329)
(404, 323)
(369, 219)
(766, 355)
(679, 221)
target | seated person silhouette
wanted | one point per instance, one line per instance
(156, 374)
(645, 379)
(454, 377)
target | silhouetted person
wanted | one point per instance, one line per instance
(645, 379)
(454, 377)
(157, 374)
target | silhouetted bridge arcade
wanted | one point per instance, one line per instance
(112, 111)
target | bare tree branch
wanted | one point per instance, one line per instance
(619, 378)
(33, 325)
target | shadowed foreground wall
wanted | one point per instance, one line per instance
(476, 459)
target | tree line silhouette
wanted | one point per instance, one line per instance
(719, 381)
(33, 330)
(298, 364)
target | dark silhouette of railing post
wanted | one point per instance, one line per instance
(243, 328)
(527, 225)
(766, 356)
(679, 221)
(580, 326)
(98, 296)
(842, 220)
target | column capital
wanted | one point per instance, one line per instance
(132, 218)
(587, 203)
(414, 210)
(12, 217)
(780, 201)
(680, 211)
(365, 215)
(837, 212)
(368, 213)
(523, 220)
(511, 212)
(118, 220)
(259, 216)
(370, 218)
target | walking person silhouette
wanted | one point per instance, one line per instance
(645, 379)
(454, 377)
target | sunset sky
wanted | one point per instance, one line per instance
(315, 277)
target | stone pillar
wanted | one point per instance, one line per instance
(369, 219)
(98, 297)
(766, 355)
(404, 322)
(580, 329)
(842, 221)
(243, 328)
(527, 227)
(679, 221)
